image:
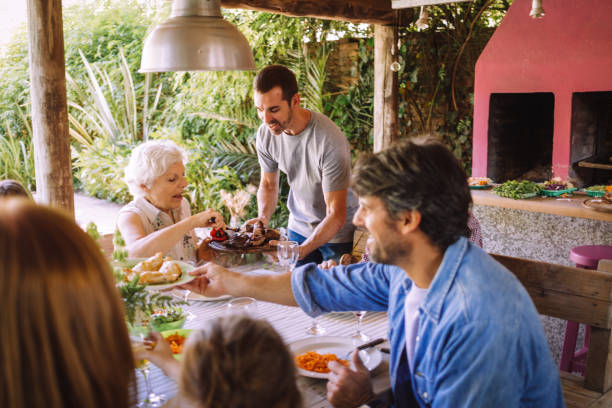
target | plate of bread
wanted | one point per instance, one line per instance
(158, 272)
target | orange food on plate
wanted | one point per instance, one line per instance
(313, 361)
(176, 342)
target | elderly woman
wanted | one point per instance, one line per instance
(159, 218)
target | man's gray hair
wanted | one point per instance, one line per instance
(150, 160)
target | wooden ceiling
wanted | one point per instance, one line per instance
(355, 11)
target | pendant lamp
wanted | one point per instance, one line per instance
(196, 38)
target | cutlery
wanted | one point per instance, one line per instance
(364, 346)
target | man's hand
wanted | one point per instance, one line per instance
(330, 263)
(348, 388)
(263, 219)
(211, 280)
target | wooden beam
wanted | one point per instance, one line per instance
(355, 11)
(49, 110)
(396, 4)
(385, 89)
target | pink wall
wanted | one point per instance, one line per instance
(568, 50)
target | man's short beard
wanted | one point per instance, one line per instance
(390, 255)
(392, 251)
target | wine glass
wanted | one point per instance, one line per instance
(358, 335)
(288, 253)
(138, 333)
(315, 328)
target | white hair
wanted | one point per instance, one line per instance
(149, 161)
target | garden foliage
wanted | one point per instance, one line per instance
(112, 107)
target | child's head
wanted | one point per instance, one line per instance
(9, 188)
(238, 362)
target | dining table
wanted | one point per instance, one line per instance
(290, 322)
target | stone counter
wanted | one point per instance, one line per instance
(542, 229)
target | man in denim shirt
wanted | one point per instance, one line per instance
(463, 331)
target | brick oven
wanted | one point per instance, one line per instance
(543, 95)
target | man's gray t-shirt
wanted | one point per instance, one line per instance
(316, 161)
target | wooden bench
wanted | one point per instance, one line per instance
(568, 293)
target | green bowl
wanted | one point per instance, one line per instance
(556, 193)
(182, 332)
(595, 193)
(178, 324)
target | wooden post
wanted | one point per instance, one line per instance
(385, 89)
(49, 111)
(598, 376)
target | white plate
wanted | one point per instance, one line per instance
(330, 344)
(185, 277)
(180, 294)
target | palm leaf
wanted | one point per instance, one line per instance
(100, 101)
(242, 157)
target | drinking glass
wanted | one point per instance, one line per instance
(315, 328)
(288, 253)
(138, 341)
(359, 335)
(242, 306)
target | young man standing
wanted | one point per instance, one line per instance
(463, 330)
(315, 155)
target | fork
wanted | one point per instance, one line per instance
(364, 346)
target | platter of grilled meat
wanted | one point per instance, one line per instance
(249, 238)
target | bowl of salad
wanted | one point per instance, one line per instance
(172, 319)
(556, 187)
(598, 191)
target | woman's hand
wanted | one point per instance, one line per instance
(208, 218)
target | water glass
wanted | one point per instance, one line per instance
(242, 306)
(288, 253)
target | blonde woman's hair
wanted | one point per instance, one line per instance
(150, 160)
(238, 362)
(64, 338)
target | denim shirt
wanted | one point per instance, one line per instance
(480, 342)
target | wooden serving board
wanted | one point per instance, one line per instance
(221, 247)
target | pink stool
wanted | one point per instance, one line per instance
(587, 257)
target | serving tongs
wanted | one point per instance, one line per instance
(364, 346)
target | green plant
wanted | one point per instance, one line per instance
(100, 169)
(139, 302)
(111, 110)
(17, 158)
(137, 299)
(353, 109)
(168, 316)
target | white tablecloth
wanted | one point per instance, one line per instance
(291, 323)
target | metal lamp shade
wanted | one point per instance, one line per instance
(196, 43)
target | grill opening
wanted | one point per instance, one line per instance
(520, 136)
(591, 138)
